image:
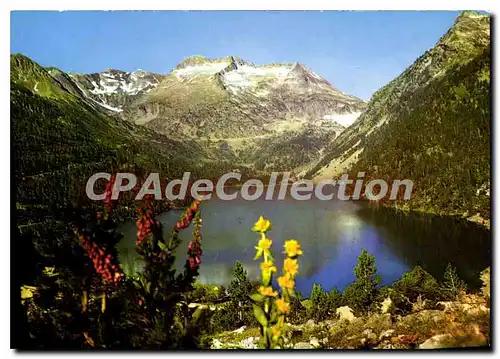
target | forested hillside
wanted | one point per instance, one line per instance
(430, 125)
(60, 140)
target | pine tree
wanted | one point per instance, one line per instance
(452, 285)
(324, 304)
(361, 294)
(239, 289)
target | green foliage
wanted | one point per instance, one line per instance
(299, 314)
(414, 285)
(452, 285)
(323, 304)
(238, 311)
(206, 293)
(361, 294)
(240, 287)
(485, 279)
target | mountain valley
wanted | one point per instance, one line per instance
(228, 113)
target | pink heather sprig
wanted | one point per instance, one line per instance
(145, 222)
(194, 247)
(103, 262)
(185, 221)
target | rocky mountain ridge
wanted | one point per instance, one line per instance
(231, 106)
(242, 96)
(111, 89)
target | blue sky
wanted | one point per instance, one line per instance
(358, 52)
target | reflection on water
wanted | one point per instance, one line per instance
(433, 241)
(332, 234)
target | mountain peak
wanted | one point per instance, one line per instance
(199, 60)
(471, 14)
(304, 75)
(468, 36)
(192, 60)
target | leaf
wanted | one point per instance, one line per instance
(256, 297)
(88, 340)
(162, 245)
(259, 315)
(266, 278)
(269, 255)
(258, 254)
(274, 317)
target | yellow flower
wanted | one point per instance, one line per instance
(267, 291)
(267, 267)
(262, 225)
(263, 246)
(291, 266)
(282, 305)
(286, 282)
(276, 331)
(292, 248)
(264, 243)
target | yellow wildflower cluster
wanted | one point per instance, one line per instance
(262, 225)
(267, 291)
(282, 305)
(290, 269)
(271, 315)
(292, 248)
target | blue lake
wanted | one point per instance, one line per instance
(332, 235)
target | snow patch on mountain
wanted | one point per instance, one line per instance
(200, 70)
(113, 82)
(345, 120)
(246, 76)
(114, 109)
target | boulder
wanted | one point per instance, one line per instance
(386, 305)
(345, 313)
(314, 342)
(303, 345)
(436, 342)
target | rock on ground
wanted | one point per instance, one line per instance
(345, 313)
(303, 345)
(436, 342)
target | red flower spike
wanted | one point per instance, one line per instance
(102, 261)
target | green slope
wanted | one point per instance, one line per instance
(441, 141)
(60, 140)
